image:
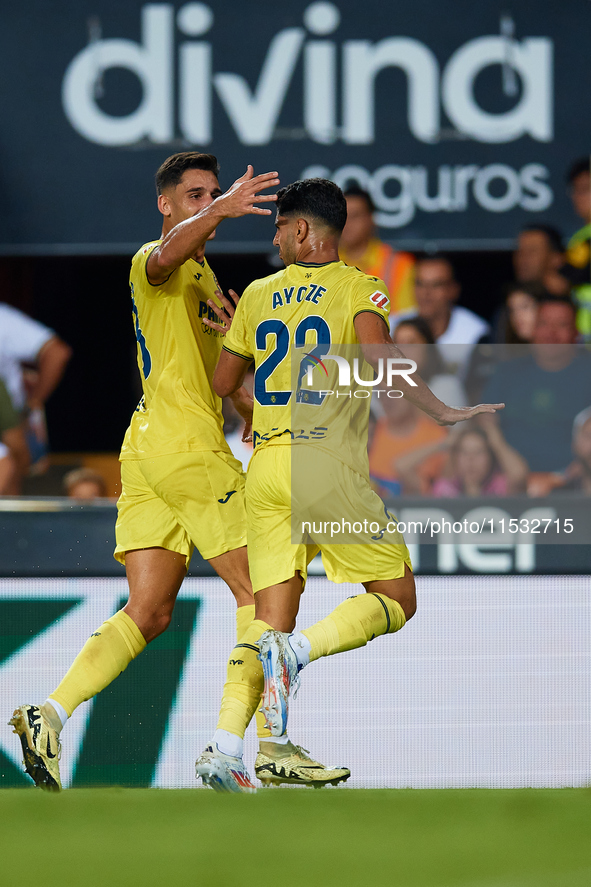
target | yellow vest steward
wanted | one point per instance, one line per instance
(177, 354)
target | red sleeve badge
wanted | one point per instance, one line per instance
(379, 299)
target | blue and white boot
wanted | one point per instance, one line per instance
(280, 669)
(223, 773)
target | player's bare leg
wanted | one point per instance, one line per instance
(278, 761)
(232, 567)
(221, 767)
(278, 605)
(385, 608)
(402, 590)
(155, 576)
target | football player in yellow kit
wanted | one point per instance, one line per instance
(181, 486)
(310, 458)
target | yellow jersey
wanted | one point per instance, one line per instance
(177, 354)
(294, 325)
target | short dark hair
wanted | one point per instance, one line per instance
(550, 299)
(583, 164)
(175, 166)
(532, 288)
(318, 199)
(420, 325)
(553, 234)
(357, 191)
(82, 476)
(438, 257)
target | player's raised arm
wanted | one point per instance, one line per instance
(376, 343)
(194, 207)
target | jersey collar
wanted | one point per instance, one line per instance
(317, 264)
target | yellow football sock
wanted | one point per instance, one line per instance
(353, 623)
(244, 684)
(244, 618)
(106, 653)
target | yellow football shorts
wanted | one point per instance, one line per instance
(293, 511)
(181, 502)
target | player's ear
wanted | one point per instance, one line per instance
(164, 205)
(302, 229)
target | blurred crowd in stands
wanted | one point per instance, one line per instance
(534, 355)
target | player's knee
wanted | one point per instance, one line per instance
(409, 605)
(155, 625)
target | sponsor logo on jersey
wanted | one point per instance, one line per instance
(379, 299)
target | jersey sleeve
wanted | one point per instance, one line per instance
(238, 339)
(139, 273)
(371, 294)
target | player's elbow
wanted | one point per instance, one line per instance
(372, 353)
(161, 263)
(222, 387)
(223, 384)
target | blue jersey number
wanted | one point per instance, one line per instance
(278, 329)
(146, 357)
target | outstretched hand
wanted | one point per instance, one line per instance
(240, 198)
(451, 415)
(225, 313)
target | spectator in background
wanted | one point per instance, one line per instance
(84, 483)
(437, 291)
(360, 247)
(26, 341)
(515, 326)
(400, 427)
(544, 390)
(14, 454)
(538, 257)
(519, 313)
(576, 272)
(403, 428)
(8, 471)
(480, 463)
(577, 476)
(413, 336)
(451, 325)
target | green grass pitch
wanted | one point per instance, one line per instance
(297, 838)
